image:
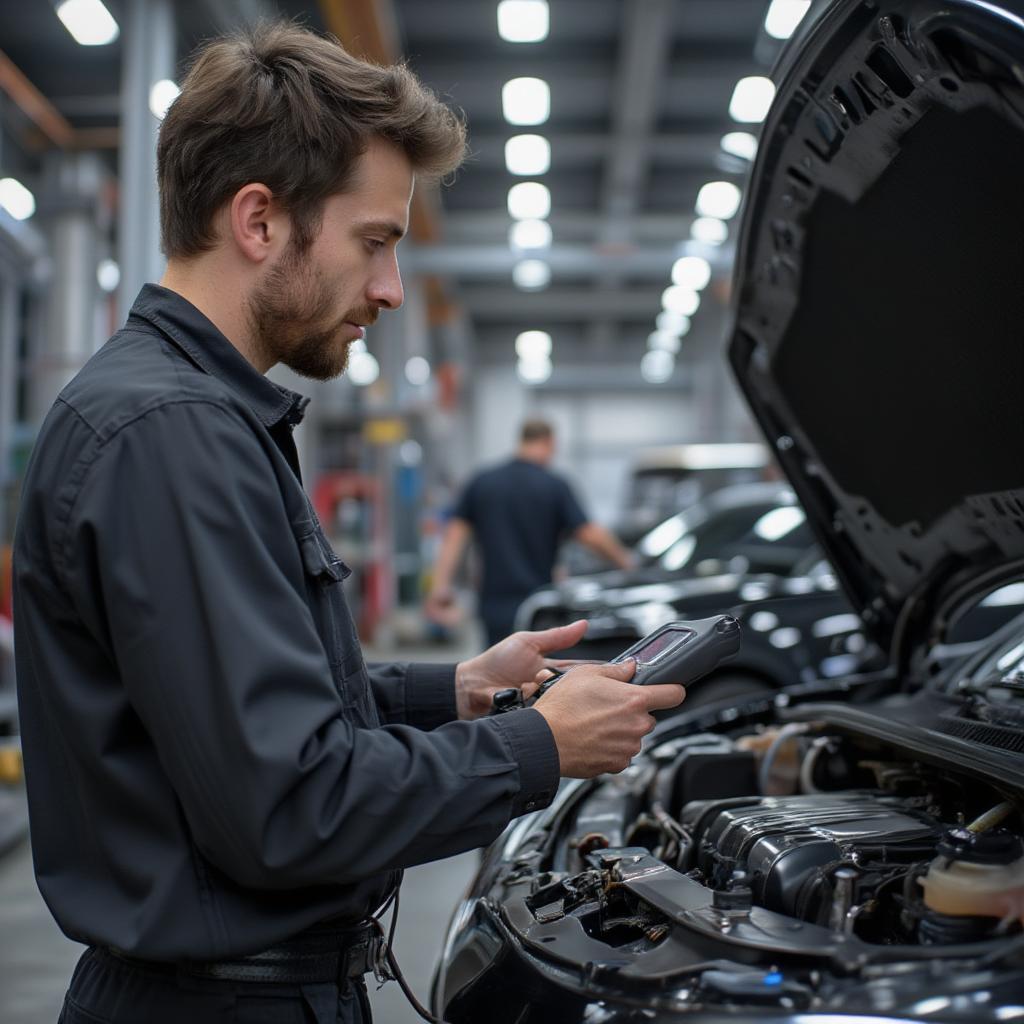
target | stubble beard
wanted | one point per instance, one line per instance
(290, 317)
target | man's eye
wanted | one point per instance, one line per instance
(375, 243)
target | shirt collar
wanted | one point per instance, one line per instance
(196, 336)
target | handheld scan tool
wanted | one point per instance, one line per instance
(678, 652)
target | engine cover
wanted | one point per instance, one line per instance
(788, 846)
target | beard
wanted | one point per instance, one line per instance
(291, 319)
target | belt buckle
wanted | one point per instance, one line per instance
(367, 954)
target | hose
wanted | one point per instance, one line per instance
(785, 733)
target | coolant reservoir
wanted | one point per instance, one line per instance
(977, 875)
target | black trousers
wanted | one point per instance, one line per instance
(498, 615)
(107, 990)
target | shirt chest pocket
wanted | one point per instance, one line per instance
(325, 574)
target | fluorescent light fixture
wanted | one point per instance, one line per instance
(709, 230)
(719, 199)
(534, 371)
(674, 322)
(531, 275)
(739, 455)
(677, 299)
(741, 144)
(751, 99)
(417, 371)
(161, 96)
(656, 366)
(17, 200)
(530, 234)
(691, 272)
(526, 101)
(528, 154)
(108, 275)
(523, 21)
(363, 368)
(529, 200)
(663, 341)
(88, 21)
(533, 346)
(783, 17)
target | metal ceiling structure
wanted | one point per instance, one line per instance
(640, 91)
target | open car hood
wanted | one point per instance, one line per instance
(879, 307)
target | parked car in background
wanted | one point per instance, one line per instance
(850, 849)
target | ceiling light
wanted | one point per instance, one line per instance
(677, 323)
(656, 366)
(161, 96)
(108, 275)
(691, 272)
(363, 368)
(17, 200)
(741, 144)
(531, 275)
(526, 101)
(533, 346)
(709, 230)
(523, 21)
(534, 372)
(783, 17)
(528, 154)
(718, 199)
(88, 21)
(751, 99)
(529, 200)
(677, 299)
(530, 234)
(663, 341)
(417, 371)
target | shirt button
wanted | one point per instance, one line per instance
(530, 805)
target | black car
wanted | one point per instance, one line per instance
(847, 850)
(747, 528)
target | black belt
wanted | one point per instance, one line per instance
(314, 957)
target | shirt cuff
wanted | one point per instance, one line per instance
(533, 745)
(430, 695)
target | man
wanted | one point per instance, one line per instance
(518, 513)
(222, 792)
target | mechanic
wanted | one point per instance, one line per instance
(222, 793)
(518, 513)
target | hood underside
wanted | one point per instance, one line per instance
(879, 332)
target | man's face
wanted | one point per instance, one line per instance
(310, 306)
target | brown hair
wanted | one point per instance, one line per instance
(281, 105)
(535, 430)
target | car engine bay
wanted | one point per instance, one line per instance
(750, 859)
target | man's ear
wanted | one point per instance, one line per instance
(255, 222)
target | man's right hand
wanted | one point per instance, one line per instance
(599, 719)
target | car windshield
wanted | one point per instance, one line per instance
(770, 536)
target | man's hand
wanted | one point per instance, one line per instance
(599, 719)
(442, 607)
(517, 661)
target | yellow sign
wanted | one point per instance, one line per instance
(384, 431)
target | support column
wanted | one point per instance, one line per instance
(150, 51)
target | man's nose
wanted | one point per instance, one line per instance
(386, 289)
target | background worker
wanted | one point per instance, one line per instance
(222, 793)
(519, 513)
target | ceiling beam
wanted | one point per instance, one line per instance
(34, 105)
(474, 261)
(564, 303)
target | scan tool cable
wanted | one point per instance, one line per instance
(389, 970)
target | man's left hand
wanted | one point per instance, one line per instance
(519, 660)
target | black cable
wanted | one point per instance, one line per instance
(392, 961)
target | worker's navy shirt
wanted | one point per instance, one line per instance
(211, 766)
(520, 512)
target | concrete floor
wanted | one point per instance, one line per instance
(36, 960)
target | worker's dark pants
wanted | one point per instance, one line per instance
(498, 614)
(106, 990)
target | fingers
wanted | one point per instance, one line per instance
(560, 637)
(663, 695)
(624, 670)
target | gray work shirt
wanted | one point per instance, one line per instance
(211, 765)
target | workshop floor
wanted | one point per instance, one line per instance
(36, 960)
